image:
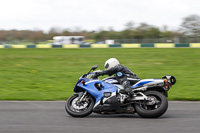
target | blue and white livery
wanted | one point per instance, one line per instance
(102, 96)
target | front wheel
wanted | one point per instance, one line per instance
(155, 106)
(79, 109)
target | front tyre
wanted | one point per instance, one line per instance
(154, 107)
(79, 109)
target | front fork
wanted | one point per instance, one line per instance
(81, 96)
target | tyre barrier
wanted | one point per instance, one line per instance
(124, 45)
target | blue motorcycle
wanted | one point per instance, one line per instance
(103, 97)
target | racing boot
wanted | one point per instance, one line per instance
(122, 91)
(127, 89)
(128, 92)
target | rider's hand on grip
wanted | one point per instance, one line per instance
(96, 75)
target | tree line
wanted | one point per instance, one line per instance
(190, 27)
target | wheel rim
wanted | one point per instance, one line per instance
(153, 102)
(76, 106)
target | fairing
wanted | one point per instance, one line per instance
(148, 82)
(90, 87)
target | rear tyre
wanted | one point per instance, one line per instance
(82, 109)
(153, 108)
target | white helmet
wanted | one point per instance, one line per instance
(112, 62)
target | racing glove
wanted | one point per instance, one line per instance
(97, 74)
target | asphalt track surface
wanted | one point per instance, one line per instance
(50, 117)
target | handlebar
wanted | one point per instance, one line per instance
(90, 76)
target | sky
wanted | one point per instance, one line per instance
(93, 14)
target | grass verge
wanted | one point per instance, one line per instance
(50, 74)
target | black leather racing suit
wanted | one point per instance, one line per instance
(122, 74)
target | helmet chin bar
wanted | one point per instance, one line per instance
(106, 66)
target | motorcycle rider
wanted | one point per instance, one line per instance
(123, 75)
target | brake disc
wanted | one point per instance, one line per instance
(76, 105)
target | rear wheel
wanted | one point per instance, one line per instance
(79, 109)
(154, 107)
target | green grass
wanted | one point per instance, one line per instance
(50, 74)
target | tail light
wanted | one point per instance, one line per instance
(167, 85)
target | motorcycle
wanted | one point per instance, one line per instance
(103, 97)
